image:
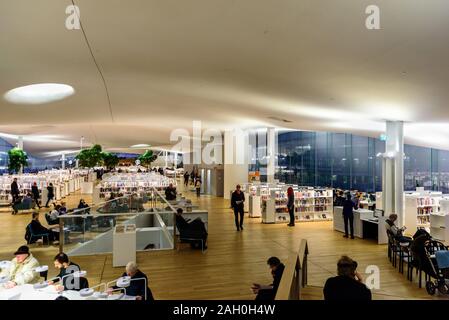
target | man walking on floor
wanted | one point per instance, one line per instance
(237, 203)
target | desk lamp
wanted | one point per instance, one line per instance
(88, 292)
(44, 284)
(6, 264)
(125, 282)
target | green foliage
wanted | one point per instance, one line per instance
(89, 158)
(17, 159)
(147, 158)
(110, 160)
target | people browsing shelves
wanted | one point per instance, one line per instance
(291, 206)
(237, 204)
(36, 195)
(50, 194)
(348, 215)
(347, 285)
(268, 292)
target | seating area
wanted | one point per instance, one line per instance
(418, 257)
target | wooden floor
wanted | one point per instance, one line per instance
(234, 260)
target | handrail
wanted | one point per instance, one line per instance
(294, 276)
(86, 212)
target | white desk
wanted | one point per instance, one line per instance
(27, 292)
(361, 216)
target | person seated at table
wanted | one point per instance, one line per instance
(22, 269)
(62, 208)
(83, 205)
(397, 233)
(38, 229)
(15, 204)
(54, 214)
(66, 267)
(170, 192)
(268, 292)
(194, 231)
(137, 287)
(348, 285)
(27, 201)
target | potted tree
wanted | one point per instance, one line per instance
(147, 158)
(18, 159)
(110, 160)
(89, 158)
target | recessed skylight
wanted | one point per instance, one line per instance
(39, 93)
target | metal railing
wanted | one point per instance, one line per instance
(294, 277)
(93, 226)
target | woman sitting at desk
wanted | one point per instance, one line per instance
(394, 230)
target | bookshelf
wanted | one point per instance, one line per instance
(418, 209)
(311, 204)
(439, 222)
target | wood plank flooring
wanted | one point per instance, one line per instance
(234, 260)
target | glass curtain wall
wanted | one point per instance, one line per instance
(349, 161)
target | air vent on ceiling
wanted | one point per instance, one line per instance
(280, 119)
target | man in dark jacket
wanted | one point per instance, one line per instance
(348, 285)
(50, 194)
(170, 192)
(348, 215)
(137, 287)
(237, 203)
(66, 267)
(192, 230)
(268, 293)
(36, 195)
(15, 190)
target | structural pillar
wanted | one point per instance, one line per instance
(393, 171)
(20, 146)
(166, 159)
(271, 154)
(236, 150)
(63, 161)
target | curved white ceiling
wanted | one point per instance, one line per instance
(226, 63)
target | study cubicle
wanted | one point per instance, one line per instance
(368, 224)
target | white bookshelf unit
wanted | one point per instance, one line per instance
(439, 222)
(418, 209)
(311, 204)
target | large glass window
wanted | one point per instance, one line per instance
(417, 167)
(350, 162)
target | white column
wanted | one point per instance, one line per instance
(166, 159)
(235, 160)
(20, 143)
(63, 161)
(393, 171)
(271, 154)
(20, 146)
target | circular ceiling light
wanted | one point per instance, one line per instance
(140, 146)
(39, 93)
